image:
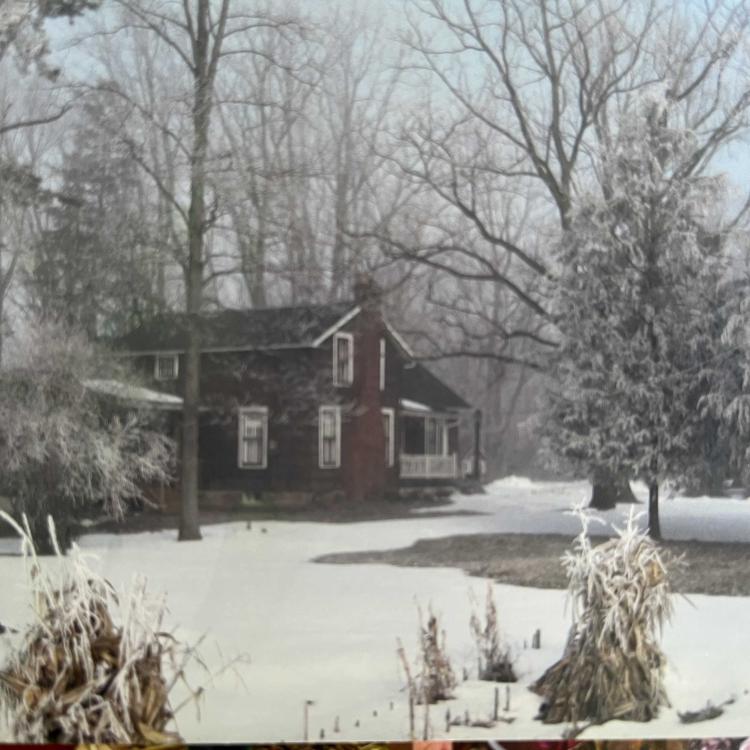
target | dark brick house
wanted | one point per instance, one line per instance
(311, 399)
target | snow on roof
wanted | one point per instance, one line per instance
(134, 393)
(407, 403)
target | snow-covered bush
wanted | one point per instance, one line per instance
(495, 659)
(612, 667)
(92, 667)
(62, 447)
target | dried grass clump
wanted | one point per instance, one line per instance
(613, 666)
(495, 659)
(435, 679)
(78, 676)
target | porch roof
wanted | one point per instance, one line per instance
(134, 394)
(419, 385)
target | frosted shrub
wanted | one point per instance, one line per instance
(90, 668)
(612, 667)
(62, 448)
(495, 661)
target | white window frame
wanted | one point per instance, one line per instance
(382, 364)
(336, 410)
(175, 358)
(247, 411)
(390, 447)
(350, 363)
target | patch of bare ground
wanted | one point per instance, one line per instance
(534, 560)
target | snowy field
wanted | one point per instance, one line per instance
(327, 633)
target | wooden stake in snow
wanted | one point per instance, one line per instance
(410, 684)
(306, 715)
(496, 709)
(536, 640)
(426, 725)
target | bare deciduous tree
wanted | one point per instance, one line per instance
(192, 41)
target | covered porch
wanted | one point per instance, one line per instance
(428, 442)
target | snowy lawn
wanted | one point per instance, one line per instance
(327, 633)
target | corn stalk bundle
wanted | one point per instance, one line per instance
(612, 667)
(78, 676)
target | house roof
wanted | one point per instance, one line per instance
(259, 328)
(419, 385)
(281, 328)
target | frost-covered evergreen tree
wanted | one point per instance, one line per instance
(727, 404)
(93, 266)
(637, 301)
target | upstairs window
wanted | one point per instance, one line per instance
(329, 437)
(382, 364)
(166, 366)
(343, 359)
(253, 437)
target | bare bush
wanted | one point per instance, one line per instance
(435, 679)
(495, 659)
(91, 667)
(612, 667)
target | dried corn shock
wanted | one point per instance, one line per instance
(612, 667)
(79, 676)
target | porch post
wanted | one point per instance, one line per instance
(477, 468)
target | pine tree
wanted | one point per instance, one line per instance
(727, 405)
(637, 300)
(93, 266)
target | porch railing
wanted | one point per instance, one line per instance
(428, 467)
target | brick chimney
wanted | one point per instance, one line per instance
(366, 475)
(367, 293)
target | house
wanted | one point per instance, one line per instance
(311, 399)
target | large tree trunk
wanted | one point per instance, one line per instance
(609, 489)
(41, 504)
(654, 527)
(189, 511)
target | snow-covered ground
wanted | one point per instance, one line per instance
(327, 633)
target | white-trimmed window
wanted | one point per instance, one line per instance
(343, 359)
(166, 366)
(382, 364)
(389, 430)
(329, 437)
(253, 437)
